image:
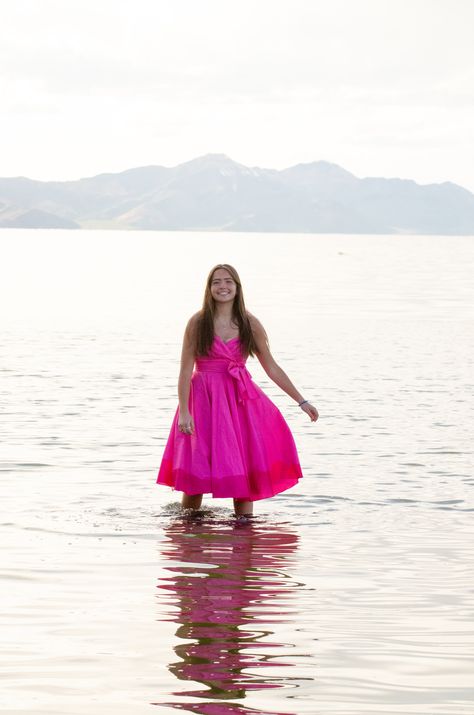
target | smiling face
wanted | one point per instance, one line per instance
(223, 287)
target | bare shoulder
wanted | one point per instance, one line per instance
(256, 325)
(259, 334)
(193, 321)
(194, 318)
(261, 340)
(191, 328)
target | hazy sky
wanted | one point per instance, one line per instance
(381, 87)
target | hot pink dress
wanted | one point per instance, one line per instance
(241, 447)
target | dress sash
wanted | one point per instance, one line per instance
(235, 369)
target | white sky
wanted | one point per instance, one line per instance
(381, 87)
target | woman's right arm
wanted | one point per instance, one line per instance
(185, 372)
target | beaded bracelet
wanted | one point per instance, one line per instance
(302, 403)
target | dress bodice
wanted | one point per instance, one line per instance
(226, 357)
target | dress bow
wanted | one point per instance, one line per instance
(245, 385)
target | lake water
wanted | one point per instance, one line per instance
(351, 594)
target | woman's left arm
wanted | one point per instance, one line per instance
(275, 372)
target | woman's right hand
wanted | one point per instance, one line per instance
(185, 422)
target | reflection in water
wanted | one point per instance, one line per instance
(229, 582)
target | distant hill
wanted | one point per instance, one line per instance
(214, 193)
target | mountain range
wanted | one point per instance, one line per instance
(215, 193)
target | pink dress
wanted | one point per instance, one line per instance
(241, 447)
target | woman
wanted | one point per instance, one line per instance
(227, 437)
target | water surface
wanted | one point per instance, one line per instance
(349, 594)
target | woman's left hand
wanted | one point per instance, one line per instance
(311, 411)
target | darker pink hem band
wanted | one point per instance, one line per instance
(249, 487)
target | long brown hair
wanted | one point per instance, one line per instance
(205, 322)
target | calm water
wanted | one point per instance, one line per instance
(351, 594)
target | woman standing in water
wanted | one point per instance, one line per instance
(227, 437)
